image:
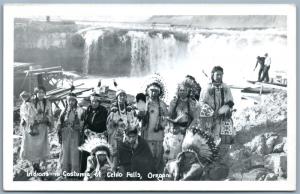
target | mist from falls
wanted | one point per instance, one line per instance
(176, 53)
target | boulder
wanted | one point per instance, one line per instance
(245, 162)
(271, 177)
(261, 149)
(277, 163)
(238, 161)
(236, 155)
(278, 148)
(256, 174)
(258, 145)
(270, 144)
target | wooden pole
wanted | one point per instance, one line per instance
(261, 90)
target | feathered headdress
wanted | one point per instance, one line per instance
(157, 80)
(202, 143)
(193, 85)
(95, 142)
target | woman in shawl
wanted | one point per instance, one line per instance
(121, 115)
(69, 129)
(95, 120)
(36, 143)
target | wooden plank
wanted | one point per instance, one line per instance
(236, 87)
(43, 69)
(60, 90)
(259, 90)
(270, 85)
(76, 91)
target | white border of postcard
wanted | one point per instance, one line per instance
(21, 10)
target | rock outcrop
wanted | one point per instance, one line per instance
(260, 152)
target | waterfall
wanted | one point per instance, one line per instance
(139, 53)
(175, 53)
(91, 37)
(154, 52)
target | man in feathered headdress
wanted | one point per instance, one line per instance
(154, 120)
(98, 163)
(198, 152)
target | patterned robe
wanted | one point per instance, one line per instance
(216, 97)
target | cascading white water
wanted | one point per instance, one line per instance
(234, 50)
(154, 53)
(139, 49)
(91, 37)
(175, 54)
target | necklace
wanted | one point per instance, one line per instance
(122, 111)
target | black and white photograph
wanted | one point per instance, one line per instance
(151, 97)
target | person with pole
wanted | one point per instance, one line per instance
(261, 62)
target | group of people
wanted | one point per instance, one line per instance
(126, 141)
